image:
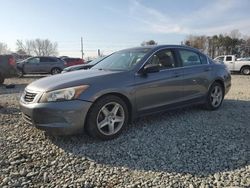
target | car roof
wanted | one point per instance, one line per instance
(157, 47)
(46, 56)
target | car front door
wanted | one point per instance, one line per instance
(32, 65)
(229, 63)
(196, 74)
(156, 90)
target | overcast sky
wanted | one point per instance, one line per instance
(116, 24)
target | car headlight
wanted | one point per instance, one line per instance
(63, 94)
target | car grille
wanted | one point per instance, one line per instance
(27, 118)
(29, 97)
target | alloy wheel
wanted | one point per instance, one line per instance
(56, 71)
(216, 96)
(110, 118)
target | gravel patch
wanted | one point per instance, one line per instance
(189, 147)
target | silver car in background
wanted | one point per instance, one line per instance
(40, 65)
(127, 84)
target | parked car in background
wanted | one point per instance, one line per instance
(84, 66)
(127, 84)
(40, 64)
(7, 67)
(242, 66)
(73, 61)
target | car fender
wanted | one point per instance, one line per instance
(125, 94)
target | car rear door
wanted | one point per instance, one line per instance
(156, 90)
(47, 63)
(44, 64)
(196, 74)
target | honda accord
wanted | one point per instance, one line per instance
(127, 84)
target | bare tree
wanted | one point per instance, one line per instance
(198, 42)
(235, 34)
(3, 48)
(148, 43)
(38, 47)
(25, 46)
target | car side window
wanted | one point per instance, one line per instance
(220, 59)
(47, 59)
(229, 58)
(44, 59)
(52, 59)
(164, 58)
(189, 58)
(203, 59)
(34, 60)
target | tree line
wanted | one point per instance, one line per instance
(233, 43)
(221, 44)
(33, 47)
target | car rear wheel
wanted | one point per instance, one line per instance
(215, 96)
(56, 71)
(107, 118)
(245, 70)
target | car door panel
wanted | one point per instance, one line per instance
(158, 89)
(196, 74)
(196, 81)
(45, 64)
(31, 65)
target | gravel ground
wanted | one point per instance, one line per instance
(190, 147)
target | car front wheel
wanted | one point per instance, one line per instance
(107, 118)
(215, 96)
(19, 73)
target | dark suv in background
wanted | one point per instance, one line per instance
(41, 64)
(7, 67)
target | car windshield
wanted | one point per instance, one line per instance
(122, 60)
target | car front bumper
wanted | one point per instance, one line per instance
(57, 118)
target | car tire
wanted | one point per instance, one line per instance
(56, 70)
(1, 79)
(20, 73)
(245, 70)
(215, 96)
(107, 118)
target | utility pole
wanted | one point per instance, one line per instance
(82, 47)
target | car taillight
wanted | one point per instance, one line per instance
(12, 61)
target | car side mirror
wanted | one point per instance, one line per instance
(151, 68)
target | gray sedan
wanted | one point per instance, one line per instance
(128, 84)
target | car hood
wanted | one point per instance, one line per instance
(77, 67)
(71, 79)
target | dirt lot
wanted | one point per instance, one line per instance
(189, 147)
